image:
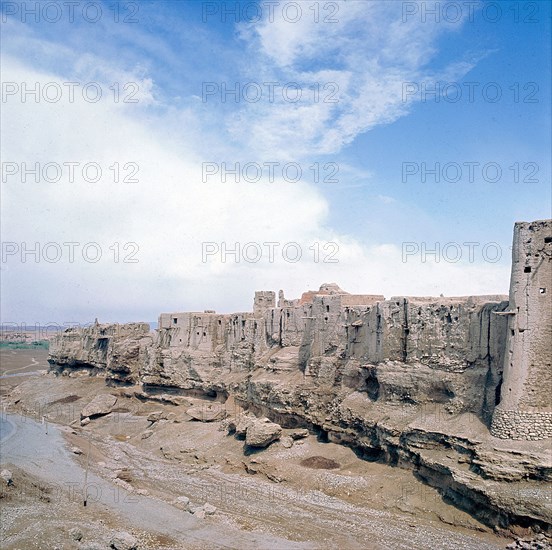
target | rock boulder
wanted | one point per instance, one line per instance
(99, 406)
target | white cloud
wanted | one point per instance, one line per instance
(368, 54)
(170, 212)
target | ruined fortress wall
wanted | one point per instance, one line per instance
(525, 408)
(402, 351)
(443, 350)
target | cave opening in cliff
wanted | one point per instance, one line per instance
(321, 434)
(372, 386)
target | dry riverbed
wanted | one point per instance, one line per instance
(308, 494)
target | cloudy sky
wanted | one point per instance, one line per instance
(179, 155)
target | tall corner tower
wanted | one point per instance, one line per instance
(525, 407)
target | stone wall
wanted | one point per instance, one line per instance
(522, 425)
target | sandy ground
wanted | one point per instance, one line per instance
(267, 499)
(15, 362)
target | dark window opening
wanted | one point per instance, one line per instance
(175, 320)
(497, 393)
(527, 269)
(220, 322)
(542, 290)
(204, 334)
(548, 239)
(328, 308)
(198, 333)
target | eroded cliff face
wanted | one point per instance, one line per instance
(114, 351)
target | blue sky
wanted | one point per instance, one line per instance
(369, 53)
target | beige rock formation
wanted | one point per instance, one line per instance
(112, 350)
(262, 433)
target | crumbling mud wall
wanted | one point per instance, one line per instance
(404, 350)
(525, 409)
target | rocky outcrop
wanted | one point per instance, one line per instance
(115, 351)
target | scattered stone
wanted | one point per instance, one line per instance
(287, 442)
(76, 450)
(124, 541)
(540, 542)
(7, 476)
(243, 423)
(250, 469)
(76, 533)
(147, 433)
(273, 477)
(99, 406)
(207, 412)
(200, 514)
(299, 433)
(124, 474)
(262, 433)
(183, 503)
(209, 509)
(155, 416)
(85, 421)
